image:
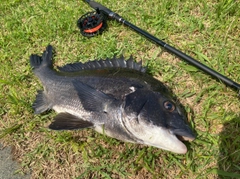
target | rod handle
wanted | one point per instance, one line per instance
(98, 6)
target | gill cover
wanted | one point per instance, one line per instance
(155, 123)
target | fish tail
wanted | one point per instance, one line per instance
(37, 61)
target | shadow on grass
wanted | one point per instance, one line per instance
(229, 150)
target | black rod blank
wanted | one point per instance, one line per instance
(167, 47)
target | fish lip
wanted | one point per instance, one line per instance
(183, 135)
(185, 138)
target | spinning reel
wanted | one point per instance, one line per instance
(92, 23)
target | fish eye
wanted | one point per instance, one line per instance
(169, 106)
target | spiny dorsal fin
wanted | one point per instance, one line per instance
(102, 64)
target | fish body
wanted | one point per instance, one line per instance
(113, 96)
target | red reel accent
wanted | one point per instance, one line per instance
(95, 29)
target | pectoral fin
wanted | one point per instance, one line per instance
(66, 121)
(92, 99)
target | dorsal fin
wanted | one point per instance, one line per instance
(102, 64)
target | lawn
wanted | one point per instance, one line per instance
(207, 30)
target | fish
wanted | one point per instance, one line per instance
(115, 97)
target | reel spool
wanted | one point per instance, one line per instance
(92, 23)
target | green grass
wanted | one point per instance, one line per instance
(207, 30)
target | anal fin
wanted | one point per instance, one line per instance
(41, 103)
(66, 121)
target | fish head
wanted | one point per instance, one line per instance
(156, 120)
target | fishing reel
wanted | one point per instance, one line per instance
(92, 23)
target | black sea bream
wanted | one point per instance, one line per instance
(113, 96)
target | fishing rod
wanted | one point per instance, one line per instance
(94, 23)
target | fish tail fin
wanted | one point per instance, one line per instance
(46, 60)
(41, 103)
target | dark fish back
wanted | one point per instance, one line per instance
(112, 76)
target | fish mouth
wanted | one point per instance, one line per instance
(185, 138)
(184, 135)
